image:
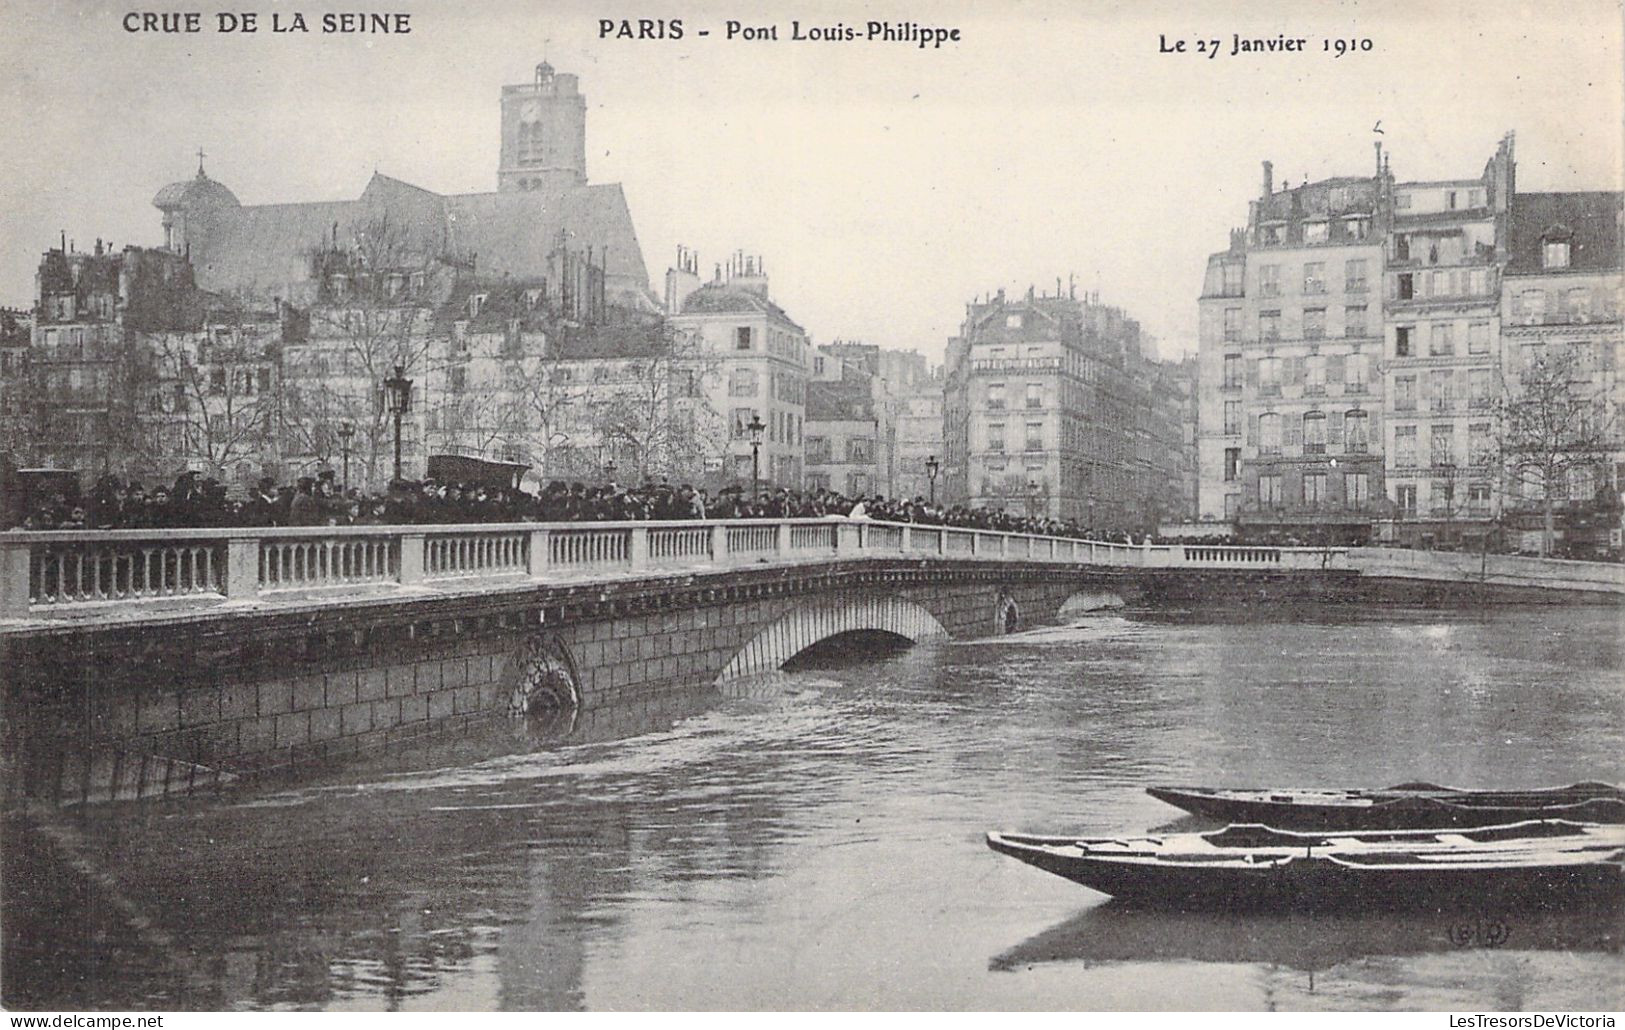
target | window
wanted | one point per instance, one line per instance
(1314, 323)
(1442, 340)
(860, 450)
(1354, 366)
(1355, 438)
(1269, 375)
(1402, 341)
(1354, 321)
(1314, 378)
(1442, 451)
(742, 418)
(1407, 286)
(1269, 433)
(1356, 490)
(818, 452)
(1232, 279)
(1404, 393)
(1555, 254)
(1232, 418)
(1232, 371)
(1478, 387)
(1232, 323)
(1269, 280)
(1357, 228)
(1478, 282)
(742, 338)
(1405, 447)
(1478, 497)
(995, 436)
(1269, 490)
(1314, 232)
(1232, 505)
(1035, 436)
(1314, 432)
(1405, 499)
(817, 481)
(1480, 447)
(217, 380)
(1232, 464)
(1269, 325)
(1533, 303)
(1314, 489)
(1441, 386)
(1035, 395)
(1314, 275)
(1478, 338)
(457, 378)
(1012, 321)
(1577, 303)
(742, 382)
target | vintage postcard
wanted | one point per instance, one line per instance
(516, 505)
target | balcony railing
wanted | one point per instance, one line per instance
(83, 573)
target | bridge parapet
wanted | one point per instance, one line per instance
(42, 573)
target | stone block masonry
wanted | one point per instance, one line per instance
(247, 693)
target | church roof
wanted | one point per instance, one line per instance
(200, 189)
(266, 248)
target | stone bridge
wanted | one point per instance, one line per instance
(144, 662)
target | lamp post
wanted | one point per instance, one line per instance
(1032, 497)
(609, 471)
(932, 467)
(346, 433)
(756, 427)
(398, 394)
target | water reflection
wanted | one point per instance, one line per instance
(1116, 932)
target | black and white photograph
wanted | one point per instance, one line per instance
(812, 506)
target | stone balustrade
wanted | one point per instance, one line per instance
(46, 572)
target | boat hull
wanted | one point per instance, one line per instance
(1391, 809)
(1317, 882)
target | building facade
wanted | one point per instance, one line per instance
(1290, 330)
(1442, 291)
(1055, 403)
(1561, 347)
(757, 362)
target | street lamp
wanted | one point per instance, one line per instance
(346, 432)
(756, 427)
(932, 467)
(609, 471)
(1032, 498)
(398, 394)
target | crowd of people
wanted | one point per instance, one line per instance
(192, 502)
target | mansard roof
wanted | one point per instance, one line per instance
(1590, 222)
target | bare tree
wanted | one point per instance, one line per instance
(652, 413)
(1555, 421)
(377, 288)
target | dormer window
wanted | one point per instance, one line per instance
(475, 302)
(1554, 248)
(1012, 321)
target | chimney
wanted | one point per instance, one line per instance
(1269, 179)
(1378, 145)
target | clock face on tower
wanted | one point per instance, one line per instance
(530, 111)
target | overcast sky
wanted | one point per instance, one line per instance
(884, 185)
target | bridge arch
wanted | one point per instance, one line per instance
(800, 629)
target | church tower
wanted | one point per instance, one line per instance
(544, 134)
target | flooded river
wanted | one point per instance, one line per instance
(814, 840)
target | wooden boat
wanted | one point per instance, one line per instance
(1540, 862)
(1405, 806)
